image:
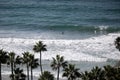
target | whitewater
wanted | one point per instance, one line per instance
(97, 49)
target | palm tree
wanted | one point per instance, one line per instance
(117, 43)
(71, 72)
(46, 76)
(85, 75)
(57, 63)
(26, 60)
(3, 59)
(18, 60)
(112, 73)
(19, 75)
(33, 64)
(95, 74)
(39, 47)
(106, 73)
(12, 63)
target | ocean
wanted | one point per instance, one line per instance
(79, 30)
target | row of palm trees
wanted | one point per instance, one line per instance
(106, 73)
(15, 62)
(31, 62)
(58, 63)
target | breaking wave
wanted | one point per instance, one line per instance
(96, 49)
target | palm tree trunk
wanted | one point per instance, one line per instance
(31, 74)
(40, 63)
(12, 70)
(28, 71)
(0, 72)
(58, 73)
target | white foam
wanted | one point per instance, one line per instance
(92, 49)
(103, 27)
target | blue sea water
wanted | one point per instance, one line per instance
(58, 19)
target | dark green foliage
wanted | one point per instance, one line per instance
(98, 73)
(33, 63)
(13, 61)
(46, 76)
(117, 43)
(3, 56)
(3, 59)
(57, 63)
(18, 74)
(107, 73)
(71, 72)
(18, 60)
(85, 75)
(30, 62)
(112, 73)
(26, 60)
(39, 47)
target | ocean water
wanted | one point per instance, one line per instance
(50, 19)
(79, 30)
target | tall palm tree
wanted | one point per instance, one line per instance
(71, 72)
(117, 43)
(39, 47)
(12, 63)
(26, 60)
(3, 59)
(57, 63)
(33, 64)
(46, 76)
